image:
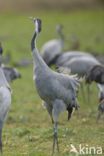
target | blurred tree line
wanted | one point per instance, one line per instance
(27, 5)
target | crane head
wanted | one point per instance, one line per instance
(37, 22)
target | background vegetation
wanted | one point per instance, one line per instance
(28, 130)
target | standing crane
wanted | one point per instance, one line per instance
(81, 65)
(5, 101)
(58, 91)
(96, 74)
(93, 70)
(53, 48)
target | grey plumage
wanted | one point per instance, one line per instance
(100, 109)
(81, 65)
(58, 91)
(5, 101)
(53, 48)
(65, 57)
(96, 74)
(23, 63)
(101, 92)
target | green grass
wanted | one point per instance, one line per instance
(28, 130)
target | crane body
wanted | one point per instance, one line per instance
(58, 91)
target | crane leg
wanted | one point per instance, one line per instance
(55, 138)
(58, 107)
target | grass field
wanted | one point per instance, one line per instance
(28, 130)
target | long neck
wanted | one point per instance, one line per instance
(38, 61)
(3, 81)
(61, 35)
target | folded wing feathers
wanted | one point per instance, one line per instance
(75, 83)
(64, 70)
(74, 80)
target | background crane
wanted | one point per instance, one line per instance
(81, 64)
(96, 74)
(67, 56)
(53, 48)
(58, 91)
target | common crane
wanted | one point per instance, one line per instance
(93, 70)
(81, 65)
(5, 101)
(53, 48)
(58, 91)
(67, 56)
(96, 74)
